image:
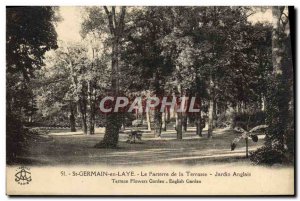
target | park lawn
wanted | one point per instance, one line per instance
(192, 150)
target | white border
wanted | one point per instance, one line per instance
(153, 2)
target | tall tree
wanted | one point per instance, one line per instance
(53, 90)
(142, 54)
(279, 105)
(116, 24)
(30, 33)
(26, 45)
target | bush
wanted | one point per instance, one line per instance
(268, 156)
(18, 138)
(38, 131)
(248, 121)
(15, 138)
(223, 121)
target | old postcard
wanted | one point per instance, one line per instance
(153, 100)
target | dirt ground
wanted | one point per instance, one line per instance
(66, 148)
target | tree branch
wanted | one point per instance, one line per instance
(113, 10)
(110, 20)
(121, 20)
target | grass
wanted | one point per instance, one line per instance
(66, 149)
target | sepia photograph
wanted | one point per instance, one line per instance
(150, 100)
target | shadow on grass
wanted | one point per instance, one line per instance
(76, 150)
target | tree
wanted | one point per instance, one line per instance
(78, 72)
(279, 95)
(199, 45)
(142, 55)
(30, 33)
(54, 91)
(26, 45)
(75, 57)
(113, 23)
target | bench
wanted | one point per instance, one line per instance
(133, 135)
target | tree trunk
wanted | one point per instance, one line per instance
(176, 120)
(123, 126)
(92, 124)
(148, 120)
(246, 139)
(277, 49)
(210, 108)
(113, 124)
(92, 108)
(198, 125)
(72, 118)
(111, 136)
(168, 115)
(277, 105)
(179, 126)
(164, 123)
(84, 125)
(157, 114)
(199, 120)
(157, 122)
(179, 116)
(231, 115)
(184, 121)
(142, 118)
(82, 104)
(210, 118)
(82, 109)
(215, 113)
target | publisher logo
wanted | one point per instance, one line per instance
(23, 175)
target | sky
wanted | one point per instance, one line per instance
(260, 16)
(68, 29)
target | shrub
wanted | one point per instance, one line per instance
(223, 121)
(15, 138)
(247, 121)
(268, 156)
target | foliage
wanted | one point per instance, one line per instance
(248, 120)
(30, 33)
(142, 51)
(268, 155)
(15, 140)
(25, 43)
(279, 113)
